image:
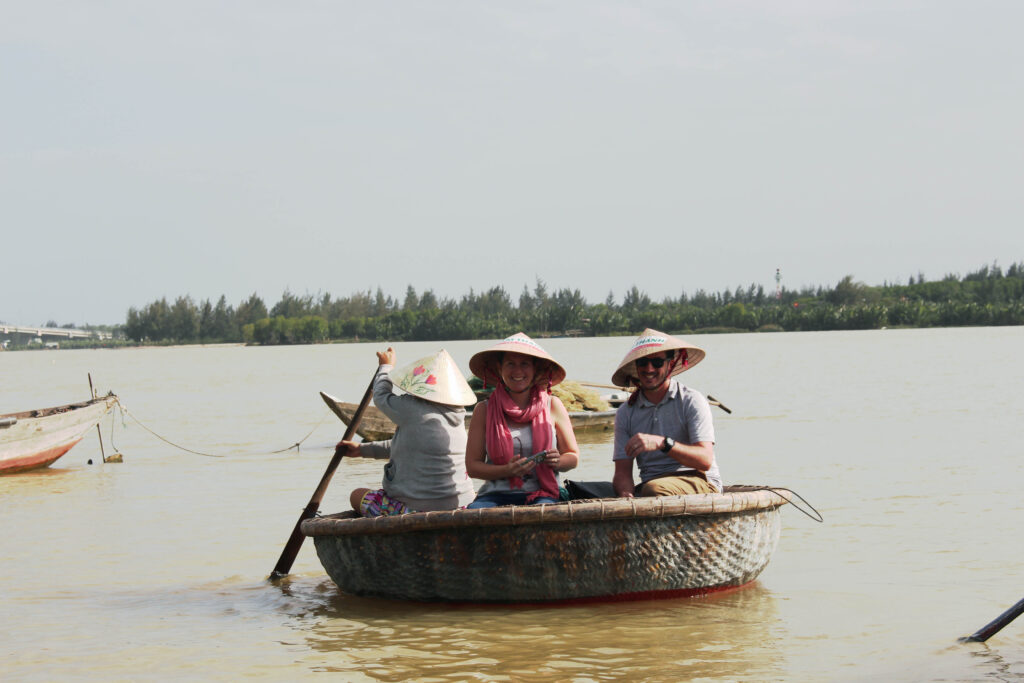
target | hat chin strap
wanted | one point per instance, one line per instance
(675, 361)
(635, 381)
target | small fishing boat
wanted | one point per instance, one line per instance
(376, 426)
(579, 550)
(36, 438)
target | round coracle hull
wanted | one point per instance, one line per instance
(579, 550)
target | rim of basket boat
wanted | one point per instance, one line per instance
(733, 500)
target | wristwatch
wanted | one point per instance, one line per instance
(669, 443)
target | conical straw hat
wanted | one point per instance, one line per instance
(436, 379)
(652, 341)
(484, 363)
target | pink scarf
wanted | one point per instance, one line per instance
(537, 414)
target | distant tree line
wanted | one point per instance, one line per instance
(988, 296)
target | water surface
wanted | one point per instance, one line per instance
(907, 441)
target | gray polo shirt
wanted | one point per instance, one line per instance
(684, 414)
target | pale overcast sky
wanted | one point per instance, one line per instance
(153, 149)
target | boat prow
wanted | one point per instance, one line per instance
(376, 426)
(37, 438)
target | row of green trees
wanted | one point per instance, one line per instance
(988, 296)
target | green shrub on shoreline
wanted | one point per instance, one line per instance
(986, 297)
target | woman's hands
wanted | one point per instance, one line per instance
(553, 459)
(520, 466)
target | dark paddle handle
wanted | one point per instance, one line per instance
(291, 548)
(996, 625)
(715, 402)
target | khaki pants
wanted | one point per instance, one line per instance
(676, 486)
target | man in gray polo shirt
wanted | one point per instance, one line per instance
(665, 427)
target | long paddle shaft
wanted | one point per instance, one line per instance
(291, 548)
(989, 630)
(711, 399)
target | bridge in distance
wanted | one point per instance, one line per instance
(21, 335)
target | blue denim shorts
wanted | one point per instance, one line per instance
(493, 499)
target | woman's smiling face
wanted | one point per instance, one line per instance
(517, 372)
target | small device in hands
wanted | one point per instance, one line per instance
(538, 457)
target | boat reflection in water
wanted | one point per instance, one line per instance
(721, 636)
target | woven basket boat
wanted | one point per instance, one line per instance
(625, 548)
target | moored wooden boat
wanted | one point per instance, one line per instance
(606, 549)
(376, 426)
(36, 438)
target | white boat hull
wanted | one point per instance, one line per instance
(38, 438)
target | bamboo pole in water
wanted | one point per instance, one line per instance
(996, 625)
(99, 432)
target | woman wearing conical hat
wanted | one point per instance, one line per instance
(426, 467)
(521, 437)
(665, 427)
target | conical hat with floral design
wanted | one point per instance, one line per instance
(484, 364)
(652, 341)
(436, 379)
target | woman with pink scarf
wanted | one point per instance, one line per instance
(521, 437)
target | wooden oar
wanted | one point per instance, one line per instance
(715, 402)
(604, 386)
(989, 630)
(291, 548)
(711, 399)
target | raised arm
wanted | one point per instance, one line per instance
(384, 396)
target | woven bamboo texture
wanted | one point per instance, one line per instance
(574, 550)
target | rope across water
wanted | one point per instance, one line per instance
(816, 516)
(124, 410)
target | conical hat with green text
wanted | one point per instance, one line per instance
(651, 341)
